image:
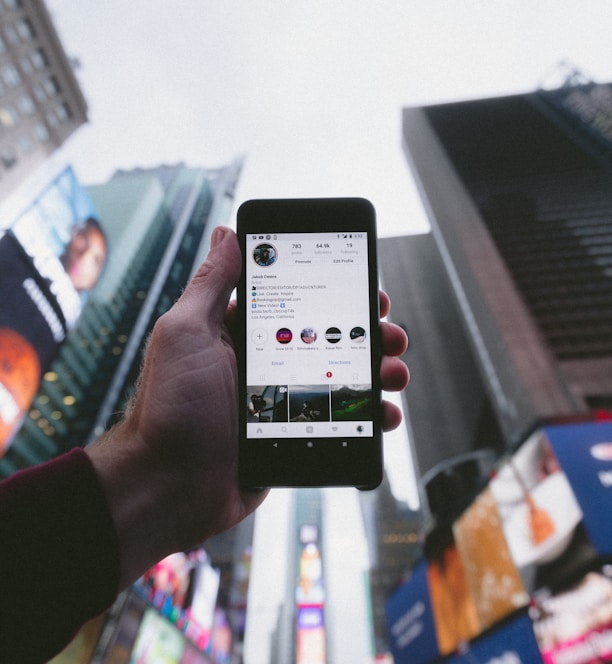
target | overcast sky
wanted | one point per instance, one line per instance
(311, 92)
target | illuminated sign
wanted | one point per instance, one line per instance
(583, 451)
(513, 643)
(309, 599)
(50, 259)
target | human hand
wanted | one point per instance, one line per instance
(170, 467)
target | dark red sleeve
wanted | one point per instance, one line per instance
(59, 556)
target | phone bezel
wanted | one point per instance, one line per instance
(289, 462)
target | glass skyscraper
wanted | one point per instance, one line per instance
(158, 224)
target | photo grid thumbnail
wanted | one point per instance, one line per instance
(309, 403)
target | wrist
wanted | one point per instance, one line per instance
(135, 487)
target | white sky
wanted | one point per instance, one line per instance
(311, 92)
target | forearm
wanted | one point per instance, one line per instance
(139, 495)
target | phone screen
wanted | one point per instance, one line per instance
(309, 300)
(308, 335)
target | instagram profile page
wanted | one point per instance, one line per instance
(308, 336)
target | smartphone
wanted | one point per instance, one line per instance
(309, 346)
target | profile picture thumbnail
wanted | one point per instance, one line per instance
(265, 254)
(284, 335)
(333, 335)
(308, 335)
(358, 335)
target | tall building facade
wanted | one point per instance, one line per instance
(518, 191)
(41, 103)
(508, 306)
(302, 631)
(158, 224)
(452, 429)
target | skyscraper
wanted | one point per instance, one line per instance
(508, 305)
(392, 531)
(158, 224)
(519, 196)
(41, 103)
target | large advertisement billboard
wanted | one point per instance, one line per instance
(584, 451)
(51, 257)
(525, 574)
(412, 630)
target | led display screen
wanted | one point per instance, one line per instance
(51, 257)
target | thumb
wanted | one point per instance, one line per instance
(211, 286)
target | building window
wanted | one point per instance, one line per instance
(8, 156)
(39, 92)
(42, 133)
(26, 65)
(26, 105)
(11, 35)
(25, 29)
(39, 59)
(51, 86)
(52, 120)
(11, 75)
(63, 112)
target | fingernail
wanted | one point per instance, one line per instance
(217, 235)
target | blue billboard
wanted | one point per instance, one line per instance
(585, 453)
(512, 643)
(410, 621)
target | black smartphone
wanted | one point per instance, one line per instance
(309, 346)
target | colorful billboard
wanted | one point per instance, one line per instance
(538, 509)
(497, 588)
(310, 599)
(51, 257)
(576, 625)
(452, 604)
(158, 641)
(492, 578)
(184, 588)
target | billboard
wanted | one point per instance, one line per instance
(51, 257)
(492, 578)
(410, 620)
(576, 625)
(539, 511)
(584, 452)
(512, 643)
(184, 588)
(453, 607)
(497, 588)
(158, 641)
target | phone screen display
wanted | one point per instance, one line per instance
(309, 351)
(308, 337)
